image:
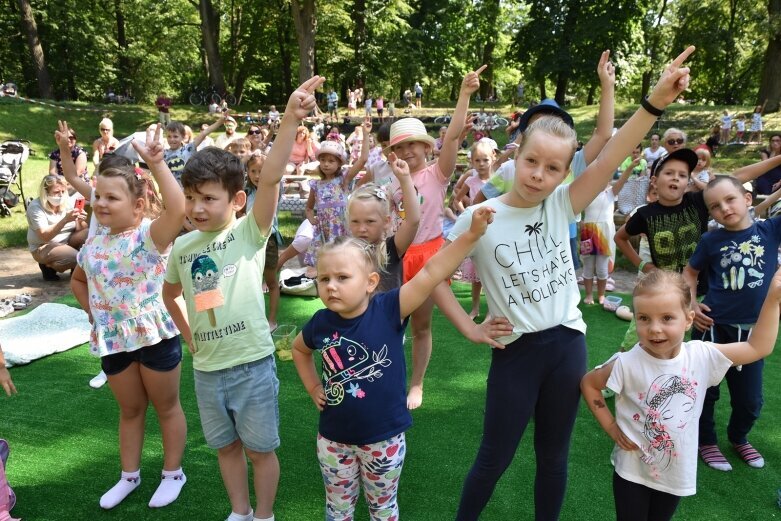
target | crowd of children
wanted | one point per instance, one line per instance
(187, 251)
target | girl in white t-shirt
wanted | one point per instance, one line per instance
(527, 270)
(660, 389)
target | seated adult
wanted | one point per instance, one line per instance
(230, 135)
(770, 181)
(258, 138)
(105, 143)
(303, 152)
(78, 155)
(56, 229)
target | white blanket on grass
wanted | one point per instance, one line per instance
(47, 329)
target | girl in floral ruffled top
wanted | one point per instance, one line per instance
(118, 283)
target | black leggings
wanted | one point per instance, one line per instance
(635, 502)
(538, 374)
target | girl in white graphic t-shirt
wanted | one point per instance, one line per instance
(660, 390)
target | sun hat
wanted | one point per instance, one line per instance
(490, 142)
(546, 106)
(333, 148)
(407, 130)
(686, 155)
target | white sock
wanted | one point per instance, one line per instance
(241, 517)
(263, 518)
(169, 488)
(127, 484)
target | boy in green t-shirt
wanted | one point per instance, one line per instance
(219, 269)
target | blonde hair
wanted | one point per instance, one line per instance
(372, 192)
(106, 122)
(484, 145)
(554, 126)
(706, 153)
(140, 186)
(661, 281)
(238, 144)
(363, 248)
(50, 181)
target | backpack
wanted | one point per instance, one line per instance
(7, 496)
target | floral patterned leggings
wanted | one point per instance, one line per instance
(377, 467)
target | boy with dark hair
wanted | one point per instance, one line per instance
(219, 268)
(178, 153)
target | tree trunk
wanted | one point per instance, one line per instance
(210, 35)
(543, 92)
(304, 17)
(360, 39)
(592, 90)
(770, 85)
(123, 61)
(491, 10)
(283, 39)
(562, 81)
(30, 29)
(645, 85)
(728, 53)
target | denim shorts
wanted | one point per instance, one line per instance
(240, 403)
(163, 356)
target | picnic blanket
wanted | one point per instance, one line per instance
(48, 329)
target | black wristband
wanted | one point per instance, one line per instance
(650, 108)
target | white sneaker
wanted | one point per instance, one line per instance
(98, 381)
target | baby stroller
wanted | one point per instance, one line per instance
(12, 154)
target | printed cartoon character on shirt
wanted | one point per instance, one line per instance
(669, 407)
(344, 361)
(206, 280)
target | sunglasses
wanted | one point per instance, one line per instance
(253, 132)
(677, 141)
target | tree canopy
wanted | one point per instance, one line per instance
(259, 49)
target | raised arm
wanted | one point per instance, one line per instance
(604, 129)
(619, 184)
(752, 171)
(299, 105)
(409, 197)
(68, 166)
(366, 129)
(449, 151)
(673, 81)
(763, 337)
(444, 263)
(591, 387)
(208, 130)
(169, 223)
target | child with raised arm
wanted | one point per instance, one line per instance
(179, 152)
(659, 388)
(528, 274)
(739, 259)
(361, 394)
(410, 141)
(219, 268)
(118, 282)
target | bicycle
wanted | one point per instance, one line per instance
(489, 121)
(200, 97)
(443, 120)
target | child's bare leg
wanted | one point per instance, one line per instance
(265, 468)
(270, 278)
(588, 285)
(128, 389)
(163, 391)
(421, 352)
(601, 283)
(233, 467)
(476, 289)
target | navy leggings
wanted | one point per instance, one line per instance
(745, 389)
(636, 502)
(538, 374)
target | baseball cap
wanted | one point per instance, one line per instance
(686, 155)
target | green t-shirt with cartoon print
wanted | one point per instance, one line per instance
(221, 274)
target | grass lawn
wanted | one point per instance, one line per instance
(64, 444)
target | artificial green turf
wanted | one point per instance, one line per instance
(64, 444)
